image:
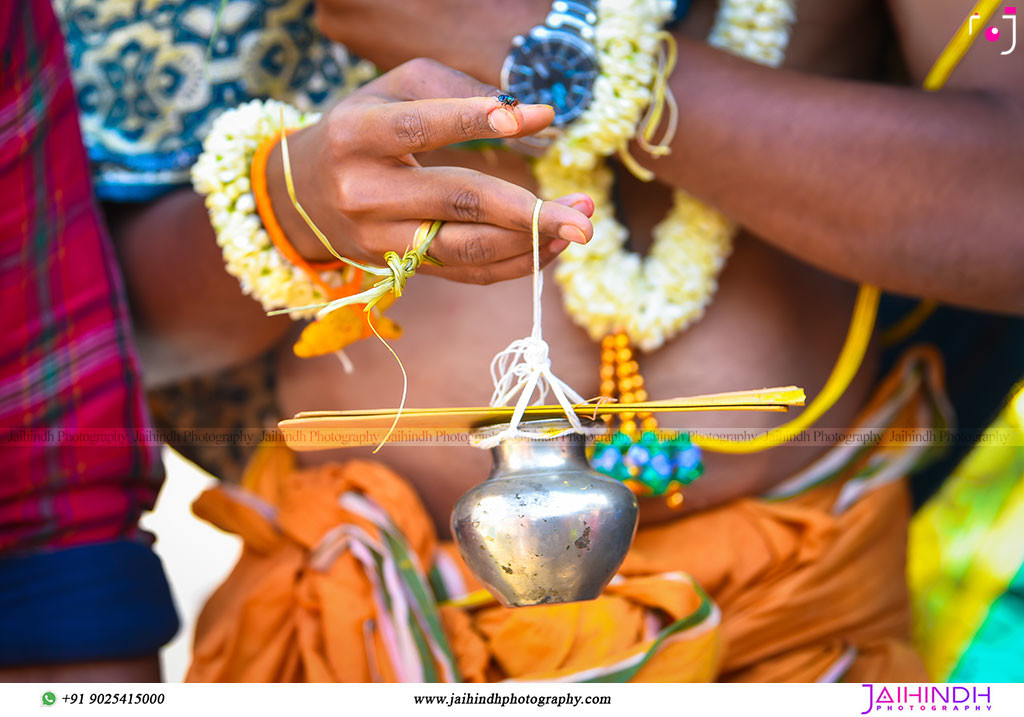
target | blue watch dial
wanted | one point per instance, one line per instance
(552, 68)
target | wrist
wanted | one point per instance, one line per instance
(518, 19)
(258, 254)
(304, 173)
(555, 62)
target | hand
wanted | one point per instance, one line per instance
(469, 35)
(356, 176)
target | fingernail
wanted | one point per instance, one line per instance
(570, 232)
(557, 245)
(583, 206)
(503, 121)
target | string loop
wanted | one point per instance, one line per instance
(661, 98)
(522, 371)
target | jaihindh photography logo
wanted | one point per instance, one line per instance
(930, 698)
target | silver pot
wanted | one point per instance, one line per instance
(544, 527)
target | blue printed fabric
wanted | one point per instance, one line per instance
(151, 76)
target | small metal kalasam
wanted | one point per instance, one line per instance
(544, 527)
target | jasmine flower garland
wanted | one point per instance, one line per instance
(222, 174)
(606, 288)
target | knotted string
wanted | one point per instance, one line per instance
(392, 281)
(397, 271)
(661, 98)
(524, 369)
(392, 277)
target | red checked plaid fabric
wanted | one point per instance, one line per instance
(67, 364)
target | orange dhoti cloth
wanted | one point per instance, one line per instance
(342, 579)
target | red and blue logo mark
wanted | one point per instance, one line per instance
(993, 34)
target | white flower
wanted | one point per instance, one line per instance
(604, 287)
(222, 174)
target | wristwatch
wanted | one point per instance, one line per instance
(556, 63)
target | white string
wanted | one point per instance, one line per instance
(523, 369)
(346, 362)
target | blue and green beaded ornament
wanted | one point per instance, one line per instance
(649, 462)
(652, 465)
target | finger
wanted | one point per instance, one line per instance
(400, 128)
(424, 79)
(579, 201)
(461, 195)
(534, 118)
(464, 244)
(378, 238)
(503, 270)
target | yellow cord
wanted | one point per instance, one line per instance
(477, 598)
(911, 322)
(661, 97)
(289, 183)
(405, 386)
(951, 56)
(400, 269)
(424, 234)
(958, 45)
(866, 308)
(850, 357)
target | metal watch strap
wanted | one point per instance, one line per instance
(576, 16)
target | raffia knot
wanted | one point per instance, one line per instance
(402, 267)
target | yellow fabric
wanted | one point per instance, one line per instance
(275, 619)
(967, 543)
(796, 585)
(564, 642)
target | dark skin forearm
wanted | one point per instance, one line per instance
(189, 316)
(917, 192)
(139, 669)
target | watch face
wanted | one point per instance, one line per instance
(552, 68)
